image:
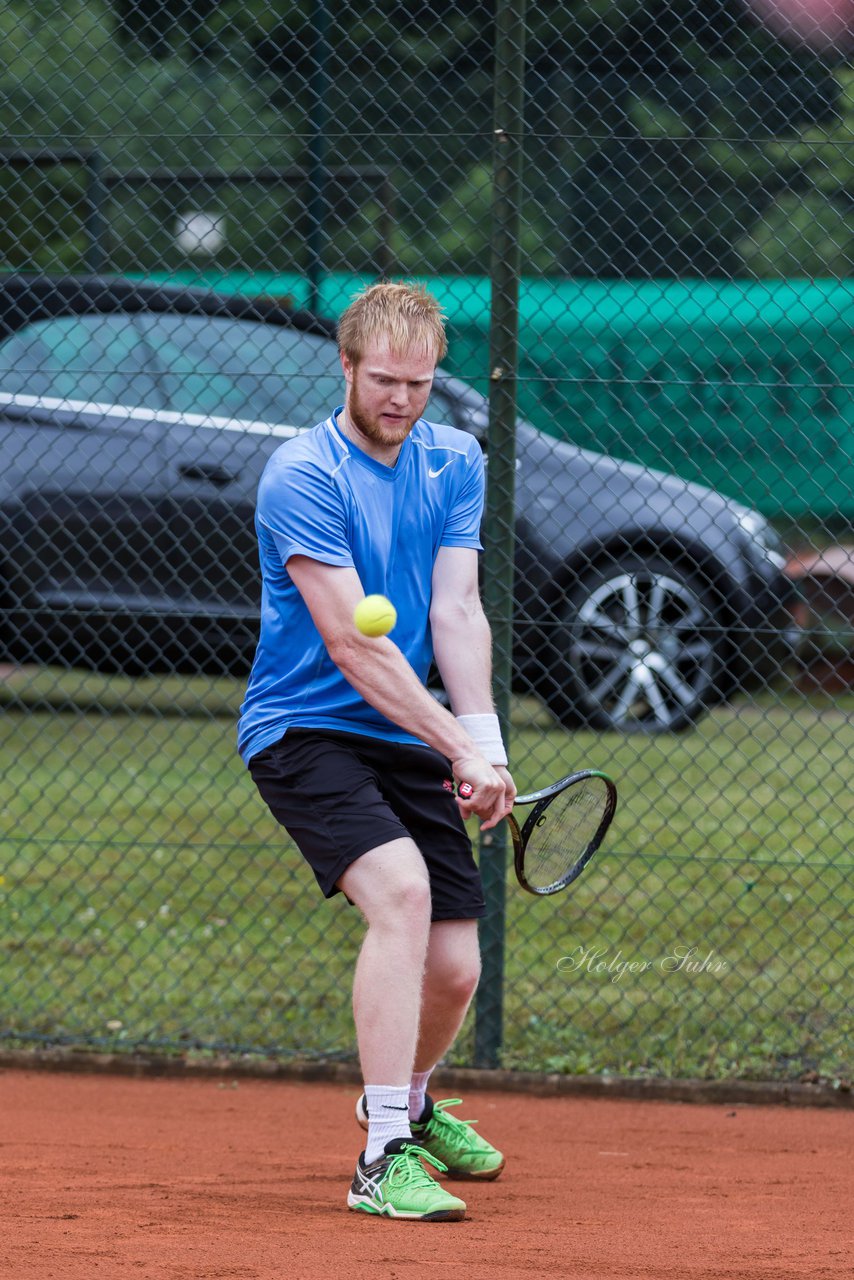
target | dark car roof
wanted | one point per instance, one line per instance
(26, 298)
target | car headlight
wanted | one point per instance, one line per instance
(761, 534)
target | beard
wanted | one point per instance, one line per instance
(388, 436)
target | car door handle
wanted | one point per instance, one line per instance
(210, 472)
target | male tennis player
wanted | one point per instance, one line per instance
(352, 754)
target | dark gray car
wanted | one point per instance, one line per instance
(135, 421)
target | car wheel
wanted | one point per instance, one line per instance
(643, 648)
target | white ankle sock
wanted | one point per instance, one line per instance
(418, 1092)
(388, 1117)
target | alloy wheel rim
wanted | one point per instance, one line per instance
(642, 651)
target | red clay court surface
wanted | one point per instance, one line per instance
(113, 1177)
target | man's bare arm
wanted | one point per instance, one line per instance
(462, 641)
(378, 671)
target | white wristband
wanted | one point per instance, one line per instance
(485, 731)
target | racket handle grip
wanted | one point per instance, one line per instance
(465, 790)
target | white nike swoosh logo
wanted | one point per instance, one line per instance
(432, 474)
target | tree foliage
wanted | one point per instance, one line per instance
(665, 137)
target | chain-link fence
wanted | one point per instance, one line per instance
(190, 192)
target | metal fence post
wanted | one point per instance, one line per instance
(317, 230)
(498, 530)
(95, 220)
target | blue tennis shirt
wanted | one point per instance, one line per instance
(321, 496)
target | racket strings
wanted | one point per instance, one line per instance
(562, 834)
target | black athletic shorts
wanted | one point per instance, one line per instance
(338, 795)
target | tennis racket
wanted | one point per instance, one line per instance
(565, 827)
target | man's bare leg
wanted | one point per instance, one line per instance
(391, 888)
(450, 980)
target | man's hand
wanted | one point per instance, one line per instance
(509, 787)
(484, 789)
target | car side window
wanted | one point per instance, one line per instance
(440, 408)
(245, 369)
(214, 365)
(95, 359)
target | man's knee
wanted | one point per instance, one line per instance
(390, 886)
(406, 898)
(461, 984)
(454, 971)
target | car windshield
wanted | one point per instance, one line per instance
(188, 364)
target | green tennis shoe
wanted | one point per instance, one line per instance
(453, 1142)
(398, 1186)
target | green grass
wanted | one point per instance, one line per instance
(150, 901)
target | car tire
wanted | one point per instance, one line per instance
(641, 647)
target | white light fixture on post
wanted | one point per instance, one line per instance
(200, 233)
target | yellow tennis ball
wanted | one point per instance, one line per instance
(375, 616)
